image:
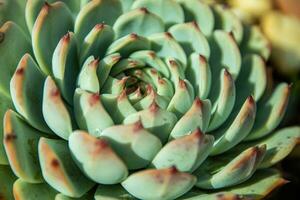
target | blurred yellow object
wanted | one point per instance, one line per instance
(283, 31)
(250, 10)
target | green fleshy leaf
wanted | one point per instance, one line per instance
(126, 64)
(55, 111)
(185, 153)
(156, 120)
(112, 192)
(87, 78)
(255, 42)
(226, 20)
(97, 159)
(7, 179)
(21, 142)
(190, 38)
(65, 66)
(118, 106)
(26, 88)
(135, 145)
(195, 10)
(59, 170)
(165, 46)
(168, 10)
(198, 116)
(5, 104)
(6, 14)
(138, 21)
(225, 171)
(129, 44)
(46, 32)
(13, 45)
(96, 42)
(95, 12)
(90, 114)
(151, 59)
(270, 112)
(198, 72)
(159, 184)
(236, 128)
(40, 191)
(223, 102)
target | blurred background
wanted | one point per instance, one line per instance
(280, 22)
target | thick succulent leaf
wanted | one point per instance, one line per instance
(65, 66)
(33, 8)
(89, 112)
(183, 93)
(7, 179)
(88, 78)
(190, 38)
(118, 106)
(96, 42)
(224, 53)
(252, 78)
(151, 59)
(270, 112)
(105, 66)
(223, 102)
(6, 13)
(165, 88)
(40, 191)
(135, 145)
(168, 10)
(236, 128)
(166, 46)
(129, 44)
(255, 42)
(156, 120)
(259, 186)
(176, 70)
(185, 153)
(59, 170)
(26, 89)
(21, 142)
(5, 104)
(97, 159)
(46, 32)
(279, 145)
(201, 13)
(228, 21)
(14, 43)
(55, 110)
(225, 172)
(87, 196)
(95, 12)
(126, 64)
(198, 72)
(115, 86)
(151, 97)
(112, 192)
(198, 116)
(139, 21)
(159, 184)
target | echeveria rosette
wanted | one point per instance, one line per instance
(147, 99)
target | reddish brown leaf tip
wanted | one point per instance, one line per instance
(20, 71)
(173, 170)
(134, 36)
(182, 84)
(251, 100)
(94, 63)
(54, 92)
(55, 163)
(197, 102)
(202, 59)
(46, 6)
(138, 126)
(99, 26)
(94, 99)
(10, 137)
(197, 133)
(153, 107)
(195, 24)
(169, 35)
(123, 95)
(144, 10)
(101, 144)
(152, 54)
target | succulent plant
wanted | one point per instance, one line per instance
(146, 99)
